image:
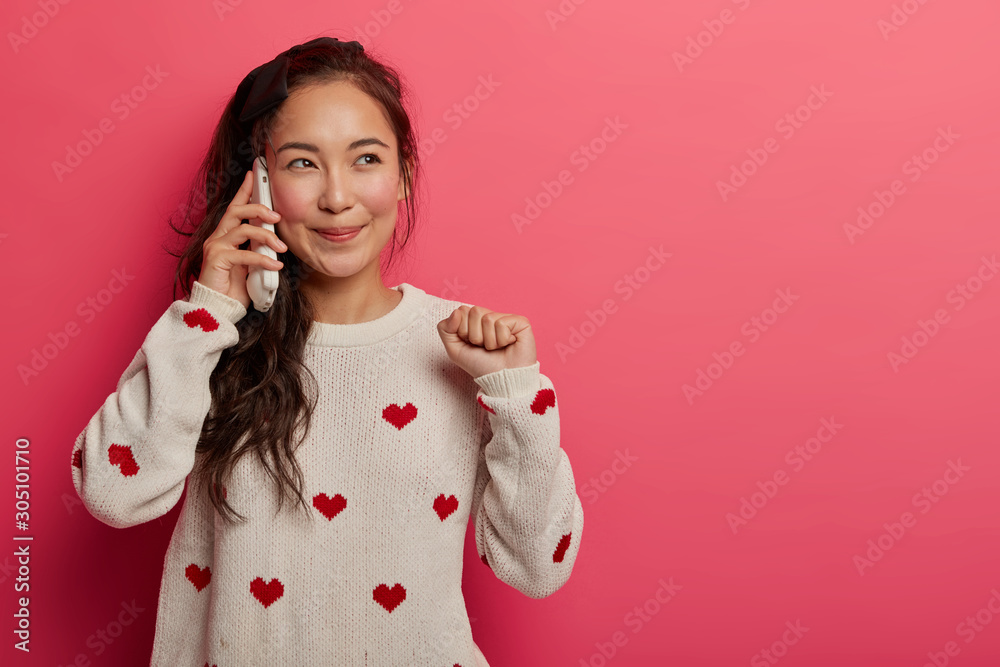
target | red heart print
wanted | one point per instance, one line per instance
(544, 399)
(201, 318)
(329, 507)
(199, 576)
(78, 458)
(266, 594)
(213, 665)
(560, 551)
(480, 399)
(400, 416)
(389, 597)
(121, 456)
(445, 506)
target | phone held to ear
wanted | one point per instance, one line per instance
(262, 284)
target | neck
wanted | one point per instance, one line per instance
(350, 299)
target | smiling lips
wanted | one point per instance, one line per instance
(339, 233)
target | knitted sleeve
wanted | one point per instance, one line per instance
(528, 517)
(131, 460)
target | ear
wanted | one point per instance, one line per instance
(403, 191)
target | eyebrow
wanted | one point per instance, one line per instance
(367, 141)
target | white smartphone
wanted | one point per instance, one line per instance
(262, 284)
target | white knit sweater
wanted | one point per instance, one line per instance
(404, 446)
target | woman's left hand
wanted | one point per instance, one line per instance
(482, 341)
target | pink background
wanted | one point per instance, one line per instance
(663, 517)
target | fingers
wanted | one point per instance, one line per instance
(482, 327)
(489, 324)
(262, 235)
(264, 260)
(463, 323)
(235, 258)
(242, 197)
(224, 253)
(503, 335)
(241, 233)
(240, 209)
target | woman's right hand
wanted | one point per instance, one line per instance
(224, 266)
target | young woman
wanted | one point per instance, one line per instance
(387, 417)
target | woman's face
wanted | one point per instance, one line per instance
(332, 163)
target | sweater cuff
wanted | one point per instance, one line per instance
(512, 382)
(217, 302)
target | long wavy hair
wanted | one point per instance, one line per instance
(258, 387)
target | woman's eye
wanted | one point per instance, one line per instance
(374, 157)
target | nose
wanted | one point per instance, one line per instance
(336, 194)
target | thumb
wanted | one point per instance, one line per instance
(448, 327)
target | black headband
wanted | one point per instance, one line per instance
(266, 86)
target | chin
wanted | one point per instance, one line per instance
(340, 269)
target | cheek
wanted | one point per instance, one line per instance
(379, 194)
(293, 204)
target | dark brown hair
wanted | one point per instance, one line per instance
(258, 387)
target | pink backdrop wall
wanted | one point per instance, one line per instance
(758, 243)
